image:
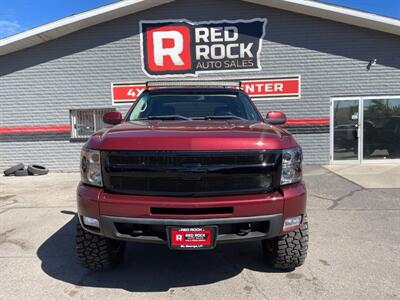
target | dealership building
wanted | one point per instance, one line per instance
(334, 72)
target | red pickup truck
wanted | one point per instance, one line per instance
(191, 166)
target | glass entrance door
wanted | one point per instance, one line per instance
(381, 128)
(365, 129)
(345, 129)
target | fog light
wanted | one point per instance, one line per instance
(291, 222)
(88, 221)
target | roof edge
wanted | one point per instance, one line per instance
(335, 13)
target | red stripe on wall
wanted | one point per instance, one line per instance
(35, 129)
(66, 127)
(307, 121)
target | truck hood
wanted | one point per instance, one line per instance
(191, 135)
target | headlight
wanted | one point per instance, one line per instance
(91, 167)
(291, 165)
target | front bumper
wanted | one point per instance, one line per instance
(158, 226)
(133, 218)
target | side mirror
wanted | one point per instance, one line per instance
(112, 117)
(276, 118)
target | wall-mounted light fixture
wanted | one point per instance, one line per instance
(371, 63)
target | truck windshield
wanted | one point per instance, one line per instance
(193, 107)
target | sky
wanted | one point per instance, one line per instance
(21, 15)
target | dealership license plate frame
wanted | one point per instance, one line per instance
(213, 230)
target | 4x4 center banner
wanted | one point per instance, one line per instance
(171, 48)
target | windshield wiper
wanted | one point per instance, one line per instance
(223, 117)
(167, 117)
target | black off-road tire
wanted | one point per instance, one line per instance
(96, 252)
(289, 251)
(13, 169)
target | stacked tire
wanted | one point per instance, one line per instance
(20, 170)
(14, 169)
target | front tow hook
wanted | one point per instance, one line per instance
(244, 230)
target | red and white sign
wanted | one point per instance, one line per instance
(183, 48)
(257, 89)
(126, 93)
(272, 88)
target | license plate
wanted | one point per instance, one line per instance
(191, 238)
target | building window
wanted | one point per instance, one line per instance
(84, 122)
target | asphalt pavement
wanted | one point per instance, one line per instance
(354, 250)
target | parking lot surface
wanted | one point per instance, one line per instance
(354, 250)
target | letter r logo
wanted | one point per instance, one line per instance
(168, 48)
(161, 49)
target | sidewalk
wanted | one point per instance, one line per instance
(372, 176)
